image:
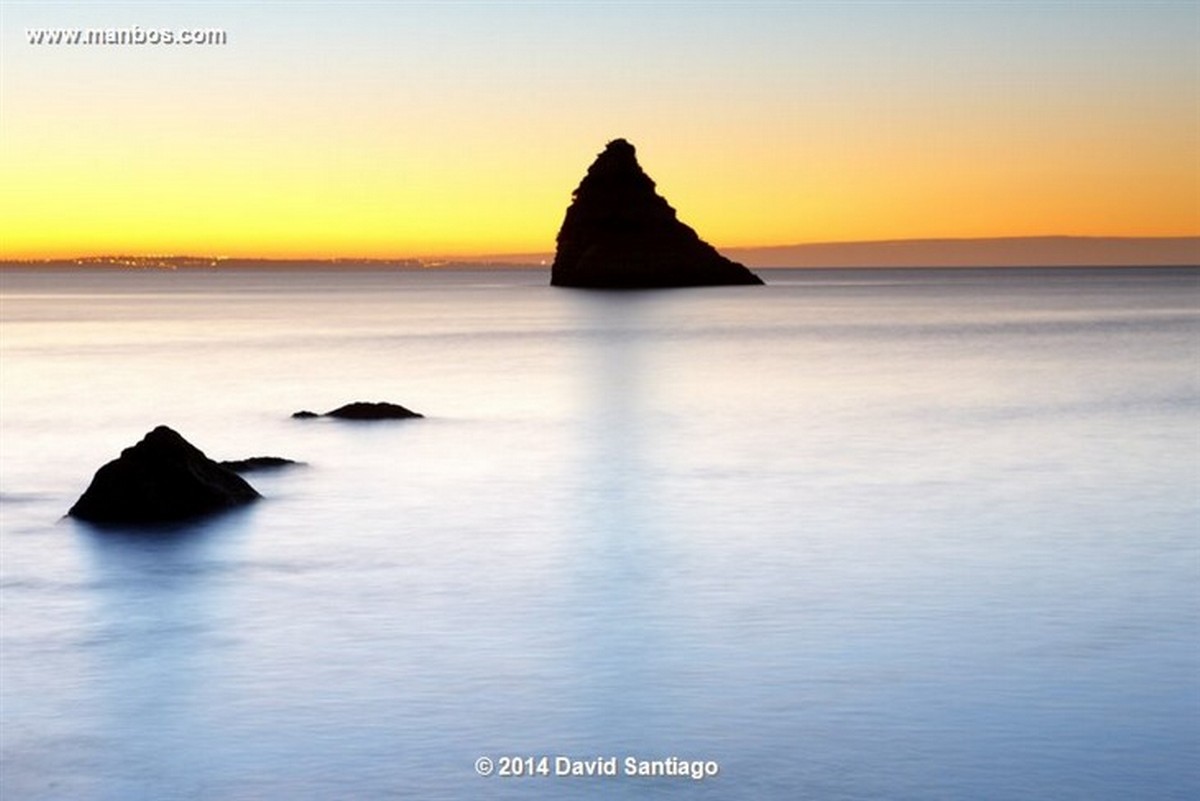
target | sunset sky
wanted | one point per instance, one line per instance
(398, 129)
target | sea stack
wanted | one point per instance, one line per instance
(619, 233)
(162, 478)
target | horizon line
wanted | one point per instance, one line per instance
(1056, 249)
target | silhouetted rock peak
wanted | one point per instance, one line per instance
(364, 410)
(616, 174)
(620, 233)
(161, 478)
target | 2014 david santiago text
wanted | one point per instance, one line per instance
(510, 767)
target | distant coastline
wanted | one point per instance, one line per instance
(1042, 251)
(235, 263)
(1038, 251)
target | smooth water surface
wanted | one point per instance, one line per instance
(923, 534)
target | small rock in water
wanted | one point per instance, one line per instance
(162, 478)
(257, 463)
(362, 410)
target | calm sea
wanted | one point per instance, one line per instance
(922, 534)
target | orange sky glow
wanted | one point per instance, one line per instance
(393, 131)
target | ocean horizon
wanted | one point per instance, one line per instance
(1034, 252)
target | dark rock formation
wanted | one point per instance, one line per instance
(620, 234)
(162, 478)
(255, 463)
(361, 410)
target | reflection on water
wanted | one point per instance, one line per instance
(614, 576)
(156, 636)
(854, 535)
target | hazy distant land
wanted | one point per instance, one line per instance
(1043, 251)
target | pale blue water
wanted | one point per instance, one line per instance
(853, 535)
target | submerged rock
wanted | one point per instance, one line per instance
(619, 233)
(161, 478)
(255, 463)
(362, 410)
